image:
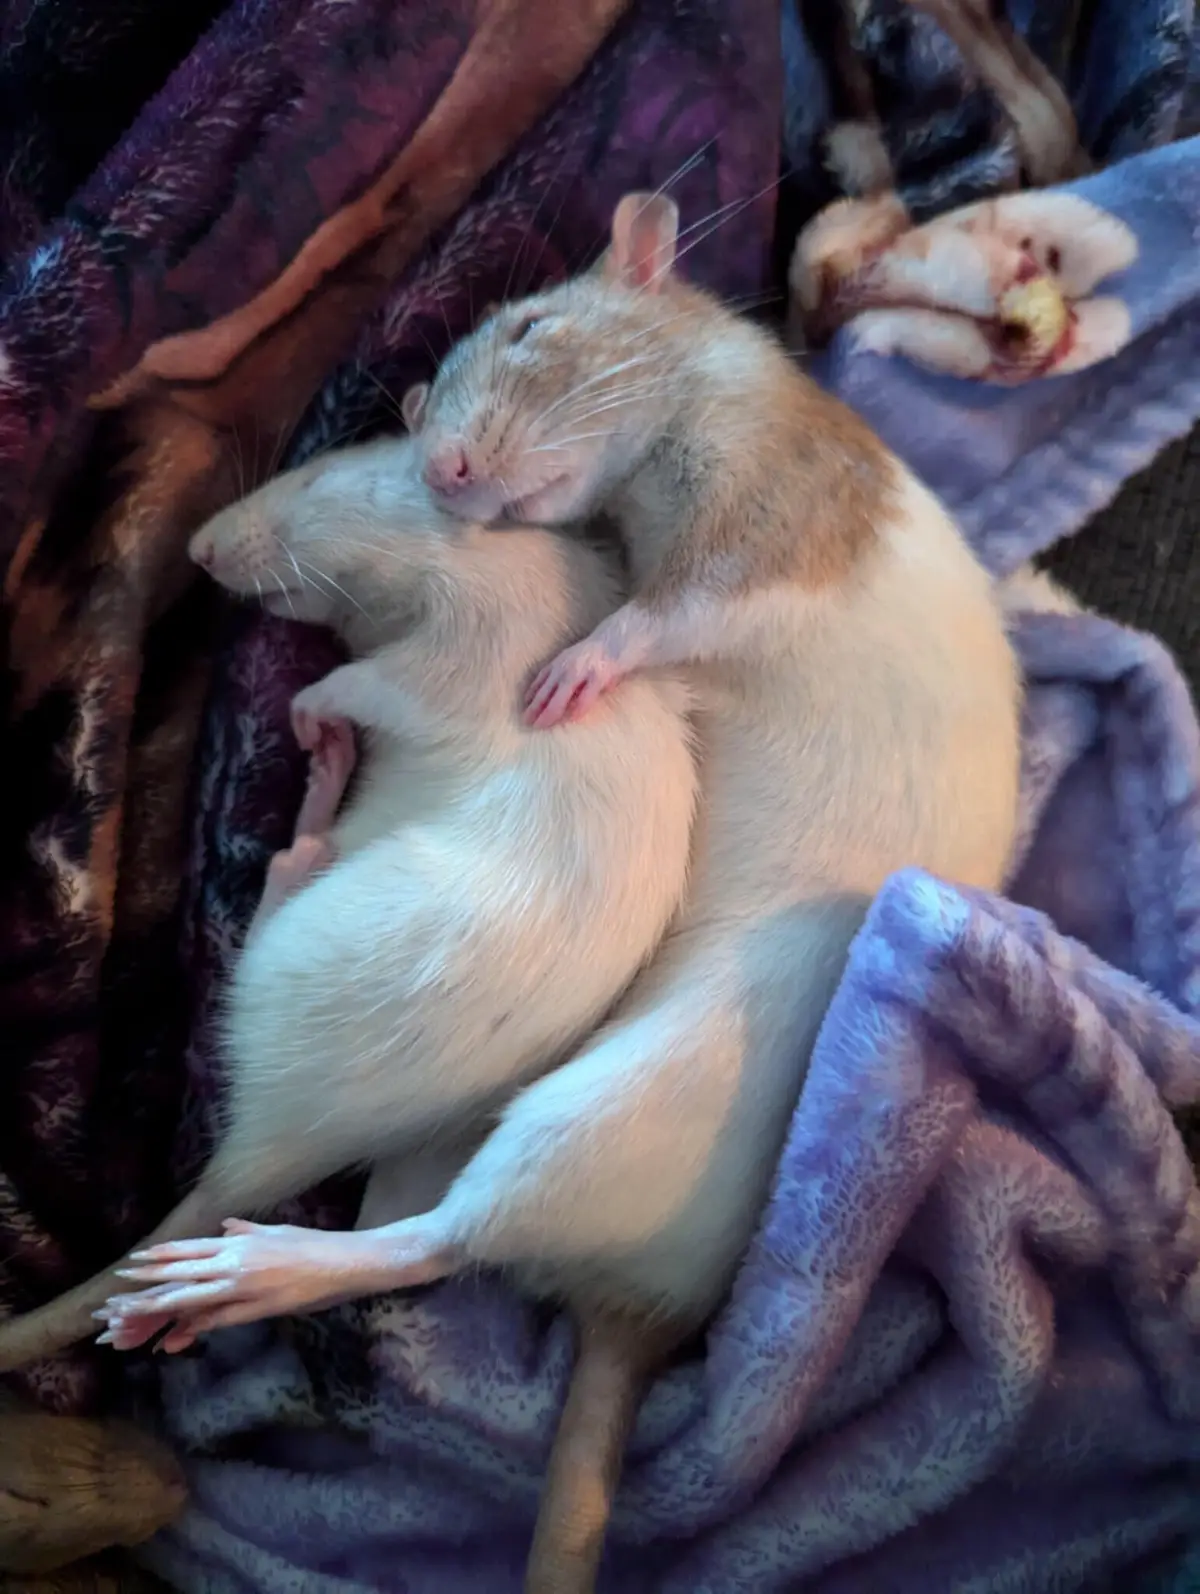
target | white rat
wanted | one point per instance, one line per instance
(487, 894)
(859, 714)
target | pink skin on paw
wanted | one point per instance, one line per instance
(255, 1271)
(334, 755)
(570, 685)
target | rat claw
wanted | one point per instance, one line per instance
(536, 685)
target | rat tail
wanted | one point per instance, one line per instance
(68, 1318)
(613, 1363)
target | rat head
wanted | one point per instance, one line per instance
(553, 400)
(343, 540)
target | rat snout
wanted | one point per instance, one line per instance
(448, 470)
(235, 552)
(202, 550)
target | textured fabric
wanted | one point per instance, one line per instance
(962, 1352)
(1021, 470)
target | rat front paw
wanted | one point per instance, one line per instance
(570, 685)
(314, 726)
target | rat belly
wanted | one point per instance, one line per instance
(411, 986)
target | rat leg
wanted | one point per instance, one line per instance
(334, 755)
(635, 638)
(374, 693)
(256, 1270)
(572, 682)
(643, 635)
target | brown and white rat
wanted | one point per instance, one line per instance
(487, 893)
(858, 714)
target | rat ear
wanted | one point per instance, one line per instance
(644, 230)
(489, 310)
(412, 406)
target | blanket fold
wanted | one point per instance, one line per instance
(962, 1353)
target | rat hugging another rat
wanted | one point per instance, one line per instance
(483, 899)
(857, 714)
(858, 709)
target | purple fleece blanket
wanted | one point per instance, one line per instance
(964, 1351)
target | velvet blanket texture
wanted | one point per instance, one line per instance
(964, 1350)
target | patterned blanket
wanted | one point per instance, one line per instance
(962, 1353)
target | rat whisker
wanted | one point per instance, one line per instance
(291, 558)
(713, 223)
(565, 442)
(610, 402)
(388, 397)
(689, 165)
(686, 166)
(567, 151)
(279, 582)
(593, 380)
(320, 575)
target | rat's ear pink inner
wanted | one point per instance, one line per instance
(644, 230)
(412, 405)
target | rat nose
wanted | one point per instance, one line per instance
(448, 470)
(202, 551)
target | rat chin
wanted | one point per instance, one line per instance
(558, 500)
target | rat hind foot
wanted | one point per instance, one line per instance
(255, 1270)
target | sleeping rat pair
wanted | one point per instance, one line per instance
(529, 856)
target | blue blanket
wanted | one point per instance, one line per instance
(964, 1351)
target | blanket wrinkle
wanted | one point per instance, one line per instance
(961, 1353)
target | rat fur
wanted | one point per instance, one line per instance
(488, 893)
(858, 713)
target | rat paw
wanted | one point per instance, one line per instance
(334, 753)
(570, 685)
(252, 1271)
(126, 1334)
(329, 737)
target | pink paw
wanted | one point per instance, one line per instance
(252, 1271)
(322, 735)
(570, 685)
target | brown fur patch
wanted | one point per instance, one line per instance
(776, 480)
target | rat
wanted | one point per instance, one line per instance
(73, 1486)
(856, 709)
(485, 895)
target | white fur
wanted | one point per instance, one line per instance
(859, 731)
(494, 891)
